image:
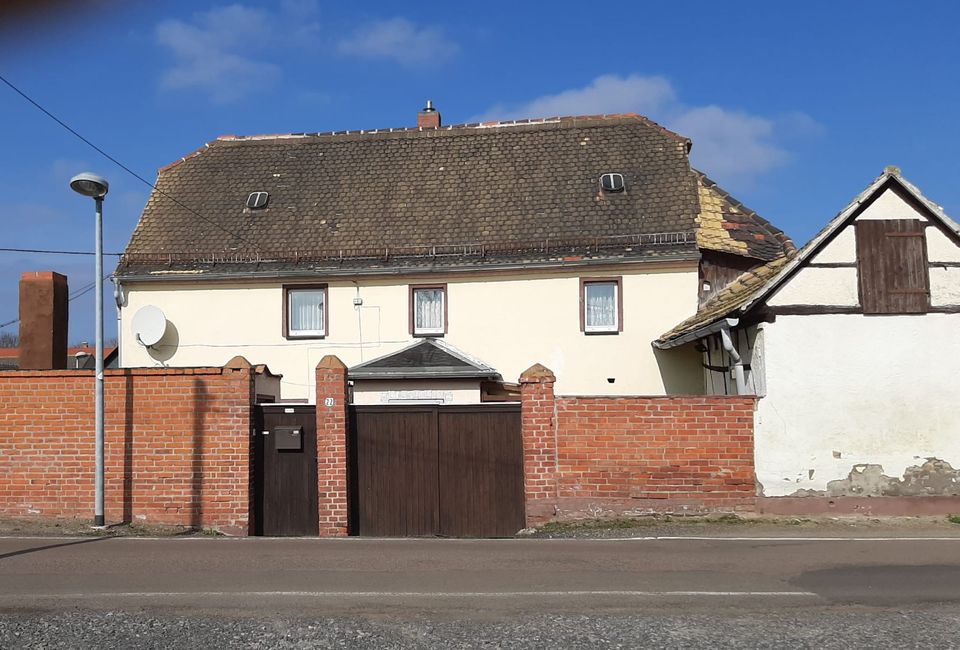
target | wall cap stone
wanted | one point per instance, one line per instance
(331, 362)
(537, 374)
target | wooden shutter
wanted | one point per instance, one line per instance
(892, 263)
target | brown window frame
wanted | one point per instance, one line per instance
(412, 310)
(287, 288)
(618, 280)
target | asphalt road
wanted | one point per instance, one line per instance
(732, 592)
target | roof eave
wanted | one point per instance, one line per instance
(697, 334)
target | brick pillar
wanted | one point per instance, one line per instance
(332, 446)
(539, 422)
(43, 321)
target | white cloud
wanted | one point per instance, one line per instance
(400, 40)
(206, 53)
(216, 51)
(733, 146)
(606, 94)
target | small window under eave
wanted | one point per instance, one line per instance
(258, 200)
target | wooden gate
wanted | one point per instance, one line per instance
(436, 470)
(285, 471)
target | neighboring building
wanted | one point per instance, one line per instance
(568, 241)
(81, 357)
(853, 345)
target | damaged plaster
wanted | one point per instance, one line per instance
(934, 478)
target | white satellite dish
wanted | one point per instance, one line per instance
(149, 325)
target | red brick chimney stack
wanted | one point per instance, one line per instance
(43, 321)
(428, 117)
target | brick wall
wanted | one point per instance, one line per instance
(177, 445)
(331, 376)
(601, 456)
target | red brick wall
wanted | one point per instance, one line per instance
(332, 446)
(177, 445)
(601, 456)
(678, 453)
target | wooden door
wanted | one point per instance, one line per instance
(395, 491)
(481, 471)
(285, 471)
(436, 470)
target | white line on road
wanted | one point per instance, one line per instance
(412, 594)
(444, 540)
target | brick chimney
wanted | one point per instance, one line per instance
(43, 321)
(428, 117)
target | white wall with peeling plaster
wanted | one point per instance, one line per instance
(845, 390)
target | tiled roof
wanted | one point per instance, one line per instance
(728, 299)
(492, 185)
(728, 226)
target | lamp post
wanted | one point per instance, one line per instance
(96, 187)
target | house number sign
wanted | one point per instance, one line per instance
(329, 401)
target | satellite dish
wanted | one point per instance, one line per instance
(149, 325)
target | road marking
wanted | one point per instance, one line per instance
(416, 594)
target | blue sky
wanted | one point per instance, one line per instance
(794, 108)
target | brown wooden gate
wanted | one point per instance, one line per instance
(436, 470)
(285, 471)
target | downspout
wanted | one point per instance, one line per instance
(118, 299)
(732, 351)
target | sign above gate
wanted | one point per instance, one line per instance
(416, 396)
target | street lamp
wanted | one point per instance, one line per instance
(96, 187)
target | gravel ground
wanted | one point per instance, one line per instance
(928, 628)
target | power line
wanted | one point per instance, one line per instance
(43, 251)
(121, 165)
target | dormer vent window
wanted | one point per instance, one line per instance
(612, 182)
(258, 200)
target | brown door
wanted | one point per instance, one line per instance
(396, 471)
(285, 471)
(437, 470)
(481, 471)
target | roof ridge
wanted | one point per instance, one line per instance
(565, 119)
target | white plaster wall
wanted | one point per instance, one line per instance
(818, 286)
(944, 286)
(376, 392)
(507, 321)
(879, 390)
(941, 248)
(842, 248)
(889, 205)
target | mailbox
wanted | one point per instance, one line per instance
(288, 438)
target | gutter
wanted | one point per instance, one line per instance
(697, 334)
(190, 275)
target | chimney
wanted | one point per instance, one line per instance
(43, 321)
(428, 117)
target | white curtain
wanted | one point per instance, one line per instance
(429, 310)
(306, 311)
(601, 306)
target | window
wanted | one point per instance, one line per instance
(612, 182)
(428, 310)
(892, 266)
(257, 200)
(601, 305)
(305, 312)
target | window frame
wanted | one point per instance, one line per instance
(287, 333)
(617, 281)
(412, 309)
